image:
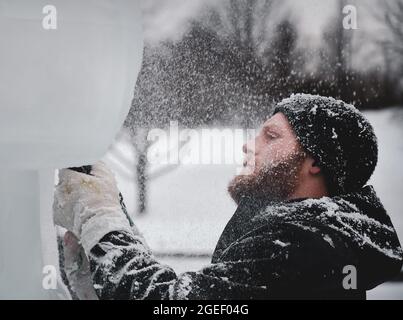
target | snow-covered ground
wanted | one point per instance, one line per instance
(388, 180)
(188, 206)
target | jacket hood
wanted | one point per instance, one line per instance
(359, 219)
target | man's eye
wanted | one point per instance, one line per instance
(271, 135)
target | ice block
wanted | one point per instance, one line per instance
(67, 74)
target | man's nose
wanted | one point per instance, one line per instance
(249, 146)
(245, 148)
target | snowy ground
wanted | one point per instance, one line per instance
(189, 206)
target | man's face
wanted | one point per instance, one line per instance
(272, 163)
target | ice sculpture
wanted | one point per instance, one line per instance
(67, 74)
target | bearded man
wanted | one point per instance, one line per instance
(305, 215)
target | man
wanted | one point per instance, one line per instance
(304, 217)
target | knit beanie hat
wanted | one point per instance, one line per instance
(337, 136)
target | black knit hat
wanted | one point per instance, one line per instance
(337, 136)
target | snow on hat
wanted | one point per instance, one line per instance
(336, 135)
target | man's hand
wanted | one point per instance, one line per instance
(89, 205)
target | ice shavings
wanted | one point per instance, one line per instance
(281, 244)
(185, 287)
(329, 240)
(335, 135)
(342, 216)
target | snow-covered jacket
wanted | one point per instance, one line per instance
(294, 249)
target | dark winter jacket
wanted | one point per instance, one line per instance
(295, 249)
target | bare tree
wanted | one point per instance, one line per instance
(282, 59)
(260, 41)
(393, 49)
(337, 54)
(245, 24)
(390, 14)
(394, 22)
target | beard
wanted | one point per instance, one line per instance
(271, 182)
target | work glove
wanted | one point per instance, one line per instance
(76, 269)
(90, 205)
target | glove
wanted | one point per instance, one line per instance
(77, 269)
(89, 205)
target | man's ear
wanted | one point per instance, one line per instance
(314, 168)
